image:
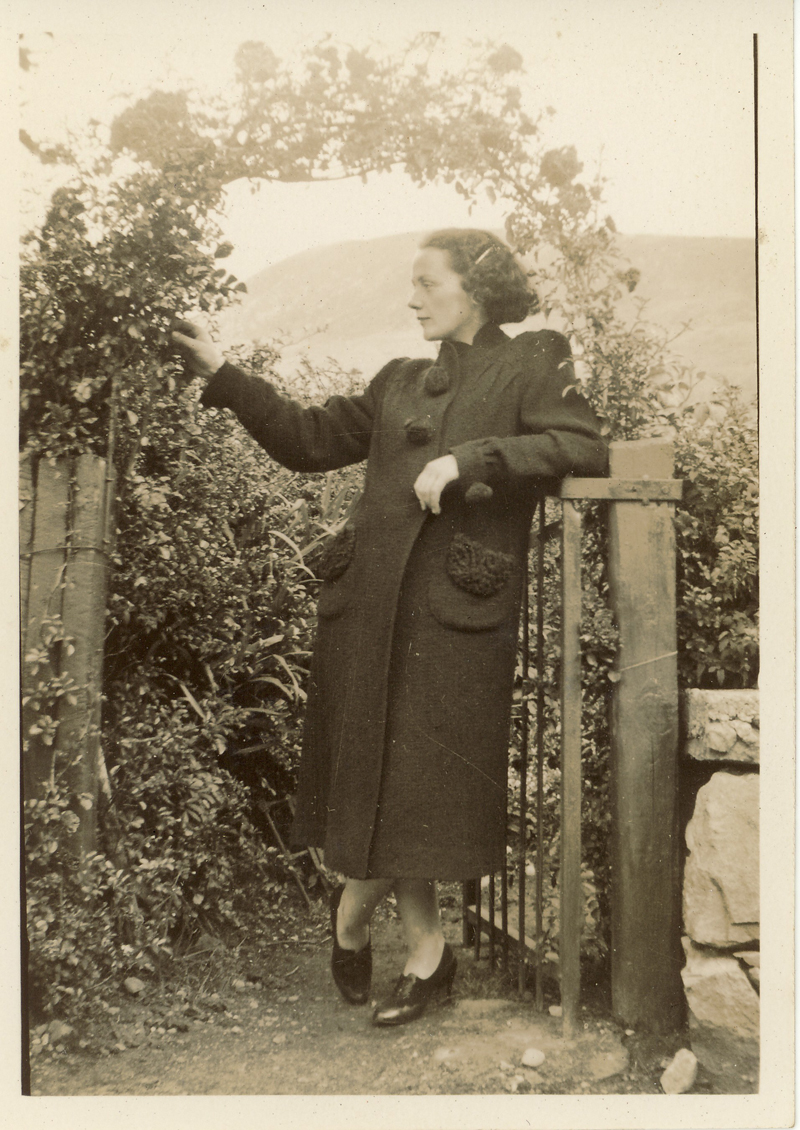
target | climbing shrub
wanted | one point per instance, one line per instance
(177, 839)
(717, 539)
(71, 912)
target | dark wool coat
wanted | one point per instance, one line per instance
(403, 770)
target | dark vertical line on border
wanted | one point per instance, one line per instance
(755, 167)
(24, 956)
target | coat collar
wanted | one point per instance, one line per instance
(489, 336)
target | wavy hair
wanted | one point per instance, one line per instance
(489, 272)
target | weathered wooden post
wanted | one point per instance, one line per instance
(43, 528)
(64, 542)
(84, 611)
(645, 891)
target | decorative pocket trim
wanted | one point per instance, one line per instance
(476, 569)
(337, 556)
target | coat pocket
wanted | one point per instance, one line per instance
(335, 593)
(478, 588)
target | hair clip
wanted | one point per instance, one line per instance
(482, 255)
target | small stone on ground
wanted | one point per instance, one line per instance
(680, 1076)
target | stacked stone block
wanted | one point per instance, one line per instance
(721, 888)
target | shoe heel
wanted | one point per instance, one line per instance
(351, 969)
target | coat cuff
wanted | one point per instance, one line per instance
(222, 387)
(477, 462)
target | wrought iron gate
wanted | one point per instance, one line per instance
(650, 549)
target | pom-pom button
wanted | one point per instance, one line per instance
(437, 381)
(419, 430)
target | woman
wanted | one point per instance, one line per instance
(403, 774)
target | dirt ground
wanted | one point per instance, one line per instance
(272, 1023)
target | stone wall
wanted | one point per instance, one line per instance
(721, 888)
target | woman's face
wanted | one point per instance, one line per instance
(443, 308)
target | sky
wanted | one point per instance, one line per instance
(659, 95)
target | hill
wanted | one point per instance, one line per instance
(349, 301)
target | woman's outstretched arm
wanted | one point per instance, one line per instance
(302, 439)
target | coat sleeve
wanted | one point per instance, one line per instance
(560, 433)
(319, 438)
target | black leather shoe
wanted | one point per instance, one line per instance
(412, 994)
(351, 969)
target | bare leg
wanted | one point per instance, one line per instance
(359, 900)
(418, 904)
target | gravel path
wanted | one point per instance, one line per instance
(283, 1030)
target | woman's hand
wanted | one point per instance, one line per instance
(197, 347)
(432, 480)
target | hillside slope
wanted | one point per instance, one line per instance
(349, 301)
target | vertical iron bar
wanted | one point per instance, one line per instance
(466, 899)
(523, 780)
(491, 921)
(477, 940)
(504, 911)
(540, 757)
(571, 910)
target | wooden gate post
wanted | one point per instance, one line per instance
(44, 492)
(645, 891)
(64, 543)
(84, 612)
